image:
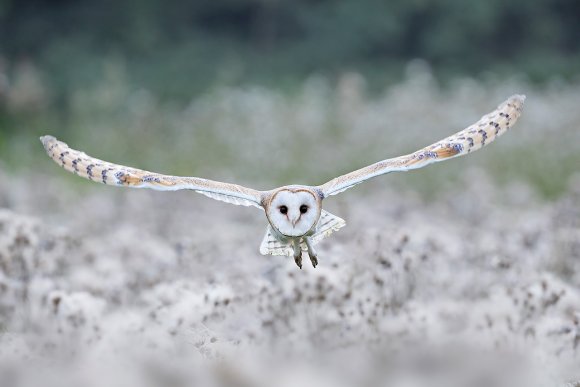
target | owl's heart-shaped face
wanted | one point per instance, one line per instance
(294, 212)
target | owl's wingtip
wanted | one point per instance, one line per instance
(45, 139)
(515, 100)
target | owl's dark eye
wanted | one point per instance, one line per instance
(283, 210)
(303, 209)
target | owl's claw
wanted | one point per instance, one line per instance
(311, 252)
(298, 260)
(314, 260)
(297, 252)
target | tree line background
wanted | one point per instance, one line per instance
(177, 48)
(177, 86)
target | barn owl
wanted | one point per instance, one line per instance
(296, 220)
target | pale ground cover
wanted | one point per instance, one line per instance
(463, 274)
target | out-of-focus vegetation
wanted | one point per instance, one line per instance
(178, 47)
(263, 136)
(308, 88)
(118, 287)
(140, 288)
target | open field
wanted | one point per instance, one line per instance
(464, 273)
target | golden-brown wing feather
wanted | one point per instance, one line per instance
(474, 137)
(104, 172)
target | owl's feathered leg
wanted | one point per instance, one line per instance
(311, 252)
(297, 252)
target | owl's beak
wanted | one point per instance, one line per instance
(294, 221)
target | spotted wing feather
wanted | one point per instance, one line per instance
(474, 137)
(104, 172)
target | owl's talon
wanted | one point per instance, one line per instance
(297, 253)
(311, 252)
(298, 260)
(314, 260)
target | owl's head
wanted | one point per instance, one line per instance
(294, 211)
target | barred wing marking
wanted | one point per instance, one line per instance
(104, 172)
(273, 246)
(474, 137)
(327, 224)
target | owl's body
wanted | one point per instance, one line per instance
(297, 222)
(296, 219)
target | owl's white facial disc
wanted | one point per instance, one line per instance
(293, 213)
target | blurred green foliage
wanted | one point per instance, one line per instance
(177, 48)
(182, 75)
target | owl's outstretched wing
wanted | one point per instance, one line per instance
(472, 138)
(104, 172)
